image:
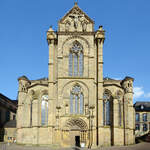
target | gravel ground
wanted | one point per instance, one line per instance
(140, 146)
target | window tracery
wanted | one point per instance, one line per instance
(76, 100)
(106, 108)
(76, 60)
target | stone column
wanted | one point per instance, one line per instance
(100, 36)
(129, 117)
(35, 119)
(51, 38)
(115, 122)
(22, 93)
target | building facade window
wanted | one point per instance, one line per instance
(44, 110)
(76, 60)
(76, 100)
(7, 116)
(137, 117)
(145, 117)
(144, 127)
(14, 117)
(137, 127)
(106, 108)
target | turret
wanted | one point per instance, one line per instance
(23, 85)
(100, 33)
(127, 84)
(129, 113)
(51, 35)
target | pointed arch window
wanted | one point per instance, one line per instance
(76, 100)
(106, 108)
(76, 60)
(44, 110)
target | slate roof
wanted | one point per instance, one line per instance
(142, 106)
(10, 124)
(8, 103)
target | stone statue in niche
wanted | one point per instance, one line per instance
(67, 25)
(84, 26)
(76, 17)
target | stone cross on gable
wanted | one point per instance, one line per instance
(76, 18)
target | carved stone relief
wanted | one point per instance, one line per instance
(67, 26)
(78, 19)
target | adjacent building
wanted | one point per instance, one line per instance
(75, 105)
(8, 109)
(142, 118)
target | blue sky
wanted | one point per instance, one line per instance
(24, 49)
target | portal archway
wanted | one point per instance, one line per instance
(75, 132)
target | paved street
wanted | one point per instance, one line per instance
(141, 146)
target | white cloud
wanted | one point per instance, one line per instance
(138, 92)
(147, 95)
(116, 78)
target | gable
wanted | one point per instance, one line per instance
(76, 20)
(76, 11)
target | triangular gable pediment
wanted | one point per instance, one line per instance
(76, 11)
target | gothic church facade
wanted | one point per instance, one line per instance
(75, 105)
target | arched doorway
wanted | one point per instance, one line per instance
(75, 132)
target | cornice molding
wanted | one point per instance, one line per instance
(74, 78)
(75, 33)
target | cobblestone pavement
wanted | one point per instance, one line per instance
(141, 146)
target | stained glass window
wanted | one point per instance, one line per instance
(106, 109)
(70, 64)
(44, 110)
(107, 112)
(81, 103)
(76, 60)
(81, 64)
(75, 64)
(76, 100)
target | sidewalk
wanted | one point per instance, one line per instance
(140, 146)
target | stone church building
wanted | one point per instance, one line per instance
(75, 105)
